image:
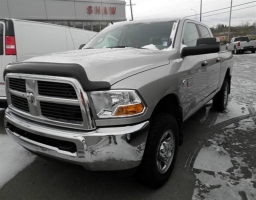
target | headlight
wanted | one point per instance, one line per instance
(117, 103)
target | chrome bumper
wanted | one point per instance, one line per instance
(104, 149)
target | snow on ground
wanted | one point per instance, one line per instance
(225, 167)
(234, 109)
(13, 158)
(213, 158)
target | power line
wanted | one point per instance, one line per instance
(208, 11)
(226, 8)
(228, 11)
(176, 5)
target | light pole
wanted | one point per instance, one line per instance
(201, 11)
(131, 9)
(195, 14)
(229, 21)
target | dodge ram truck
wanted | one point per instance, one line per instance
(119, 103)
(241, 44)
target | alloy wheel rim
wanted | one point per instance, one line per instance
(165, 151)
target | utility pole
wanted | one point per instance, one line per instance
(229, 21)
(201, 11)
(131, 9)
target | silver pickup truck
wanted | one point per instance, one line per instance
(120, 102)
(241, 44)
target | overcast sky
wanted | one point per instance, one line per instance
(174, 8)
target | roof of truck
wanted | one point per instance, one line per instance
(157, 20)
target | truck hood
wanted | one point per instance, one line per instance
(111, 65)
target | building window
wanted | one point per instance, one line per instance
(87, 26)
(104, 25)
(96, 26)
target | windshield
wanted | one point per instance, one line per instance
(1, 39)
(154, 35)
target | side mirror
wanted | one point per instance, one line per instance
(81, 46)
(204, 46)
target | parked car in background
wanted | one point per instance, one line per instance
(241, 44)
(21, 40)
(120, 102)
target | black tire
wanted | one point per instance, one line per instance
(149, 170)
(235, 51)
(220, 100)
(253, 51)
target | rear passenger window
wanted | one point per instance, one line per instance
(190, 35)
(204, 31)
(1, 39)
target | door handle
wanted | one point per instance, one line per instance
(218, 60)
(204, 63)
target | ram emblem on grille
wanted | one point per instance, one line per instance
(30, 97)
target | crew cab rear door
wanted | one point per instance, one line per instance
(212, 66)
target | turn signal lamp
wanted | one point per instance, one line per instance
(129, 110)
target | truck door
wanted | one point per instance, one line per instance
(2, 36)
(195, 73)
(213, 65)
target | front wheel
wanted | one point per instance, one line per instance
(253, 51)
(220, 100)
(160, 152)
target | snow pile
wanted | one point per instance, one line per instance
(214, 159)
(233, 110)
(225, 167)
(13, 158)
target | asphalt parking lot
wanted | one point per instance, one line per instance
(216, 160)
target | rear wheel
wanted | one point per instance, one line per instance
(220, 100)
(253, 51)
(235, 51)
(160, 152)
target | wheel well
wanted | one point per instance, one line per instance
(228, 78)
(171, 105)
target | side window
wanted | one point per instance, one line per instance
(204, 31)
(190, 35)
(1, 39)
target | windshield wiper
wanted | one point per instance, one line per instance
(127, 47)
(119, 47)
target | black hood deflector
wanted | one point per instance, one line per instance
(58, 69)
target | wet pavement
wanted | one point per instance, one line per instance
(216, 161)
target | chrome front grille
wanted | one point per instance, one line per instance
(52, 100)
(62, 90)
(20, 103)
(17, 84)
(66, 112)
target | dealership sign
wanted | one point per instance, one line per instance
(101, 10)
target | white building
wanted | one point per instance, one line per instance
(87, 14)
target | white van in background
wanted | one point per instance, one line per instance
(21, 40)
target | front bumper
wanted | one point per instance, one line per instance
(104, 149)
